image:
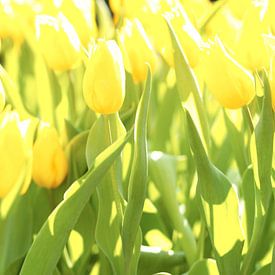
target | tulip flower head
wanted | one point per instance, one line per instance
(104, 79)
(252, 51)
(81, 15)
(13, 150)
(58, 42)
(189, 38)
(9, 23)
(49, 160)
(239, 7)
(231, 84)
(137, 49)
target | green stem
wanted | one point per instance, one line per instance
(112, 171)
(71, 98)
(258, 230)
(248, 118)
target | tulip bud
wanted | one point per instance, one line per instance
(49, 160)
(13, 150)
(251, 50)
(2, 97)
(189, 38)
(58, 42)
(231, 84)
(239, 7)
(81, 14)
(9, 23)
(137, 49)
(226, 26)
(271, 15)
(104, 79)
(196, 9)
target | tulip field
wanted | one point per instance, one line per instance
(137, 137)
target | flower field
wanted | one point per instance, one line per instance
(137, 137)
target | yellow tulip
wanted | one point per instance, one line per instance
(239, 7)
(81, 15)
(189, 38)
(137, 49)
(104, 79)
(13, 150)
(49, 160)
(58, 42)
(271, 15)
(251, 50)
(226, 26)
(196, 9)
(231, 84)
(272, 81)
(2, 97)
(9, 25)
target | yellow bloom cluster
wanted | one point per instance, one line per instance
(227, 44)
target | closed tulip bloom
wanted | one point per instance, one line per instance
(2, 97)
(13, 150)
(271, 15)
(230, 83)
(58, 42)
(49, 160)
(189, 38)
(251, 50)
(9, 23)
(137, 49)
(81, 15)
(196, 9)
(239, 7)
(104, 79)
(226, 26)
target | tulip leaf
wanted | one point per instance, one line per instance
(153, 259)
(219, 205)
(51, 239)
(261, 147)
(166, 111)
(261, 150)
(15, 232)
(237, 143)
(12, 91)
(164, 175)
(248, 185)
(187, 85)
(131, 235)
(104, 132)
(204, 267)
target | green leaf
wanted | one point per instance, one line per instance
(220, 207)
(164, 175)
(166, 110)
(51, 239)
(82, 239)
(236, 139)
(264, 270)
(137, 184)
(248, 188)
(154, 260)
(15, 232)
(262, 147)
(105, 131)
(273, 260)
(204, 267)
(261, 150)
(188, 86)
